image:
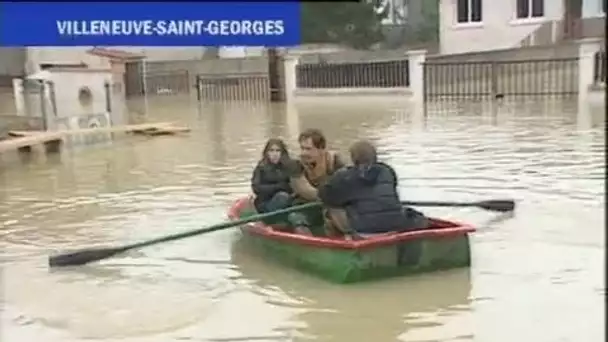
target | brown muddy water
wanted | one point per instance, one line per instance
(536, 276)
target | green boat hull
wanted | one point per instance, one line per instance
(444, 247)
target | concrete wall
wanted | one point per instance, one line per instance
(240, 51)
(499, 28)
(566, 50)
(351, 56)
(38, 55)
(552, 32)
(157, 72)
(62, 55)
(12, 64)
(77, 54)
(593, 26)
(174, 53)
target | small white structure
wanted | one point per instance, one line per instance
(69, 99)
(66, 98)
(481, 25)
(73, 94)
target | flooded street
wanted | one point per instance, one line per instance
(536, 276)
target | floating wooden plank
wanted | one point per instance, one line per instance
(51, 140)
(24, 141)
(166, 127)
(164, 130)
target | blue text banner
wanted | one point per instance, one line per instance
(149, 24)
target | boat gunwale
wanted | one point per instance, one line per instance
(261, 229)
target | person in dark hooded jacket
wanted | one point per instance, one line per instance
(270, 179)
(363, 198)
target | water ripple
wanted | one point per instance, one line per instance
(531, 271)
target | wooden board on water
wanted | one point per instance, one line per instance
(30, 140)
(148, 129)
(162, 130)
(26, 139)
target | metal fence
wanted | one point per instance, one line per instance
(503, 78)
(599, 68)
(134, 80)
(168, 83)
(377, 74)
(238, 87)
(139, 81)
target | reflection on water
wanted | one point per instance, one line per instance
(362, 312)
(532, 272)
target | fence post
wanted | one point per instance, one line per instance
(586, 58)
(416, 59)
(42, 86)
(290, 63)
(19, 96)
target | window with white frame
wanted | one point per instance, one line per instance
(530, 9)
(468, 11)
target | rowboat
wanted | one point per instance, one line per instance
(445, 245)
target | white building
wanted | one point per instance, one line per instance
(478, 25)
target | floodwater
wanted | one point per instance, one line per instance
(537, 275)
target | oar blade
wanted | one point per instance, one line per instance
(83, 257)
(503, 205)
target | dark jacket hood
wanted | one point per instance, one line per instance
(369, 173)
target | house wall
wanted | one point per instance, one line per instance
(593, 9)
(499, 28)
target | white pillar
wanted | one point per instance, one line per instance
(292, 121)
(290, 63)
(416, 59)
(554, 31)
(18, 94)
(586, 53)
(46, 103)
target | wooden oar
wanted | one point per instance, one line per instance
(503, 205)
(95, 254)
(86, 256)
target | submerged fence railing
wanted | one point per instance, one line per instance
(372, 74)
(536, 71)
(503, 78)
(237, 87)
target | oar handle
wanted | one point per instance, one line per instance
(500, 205)
(440, 204)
